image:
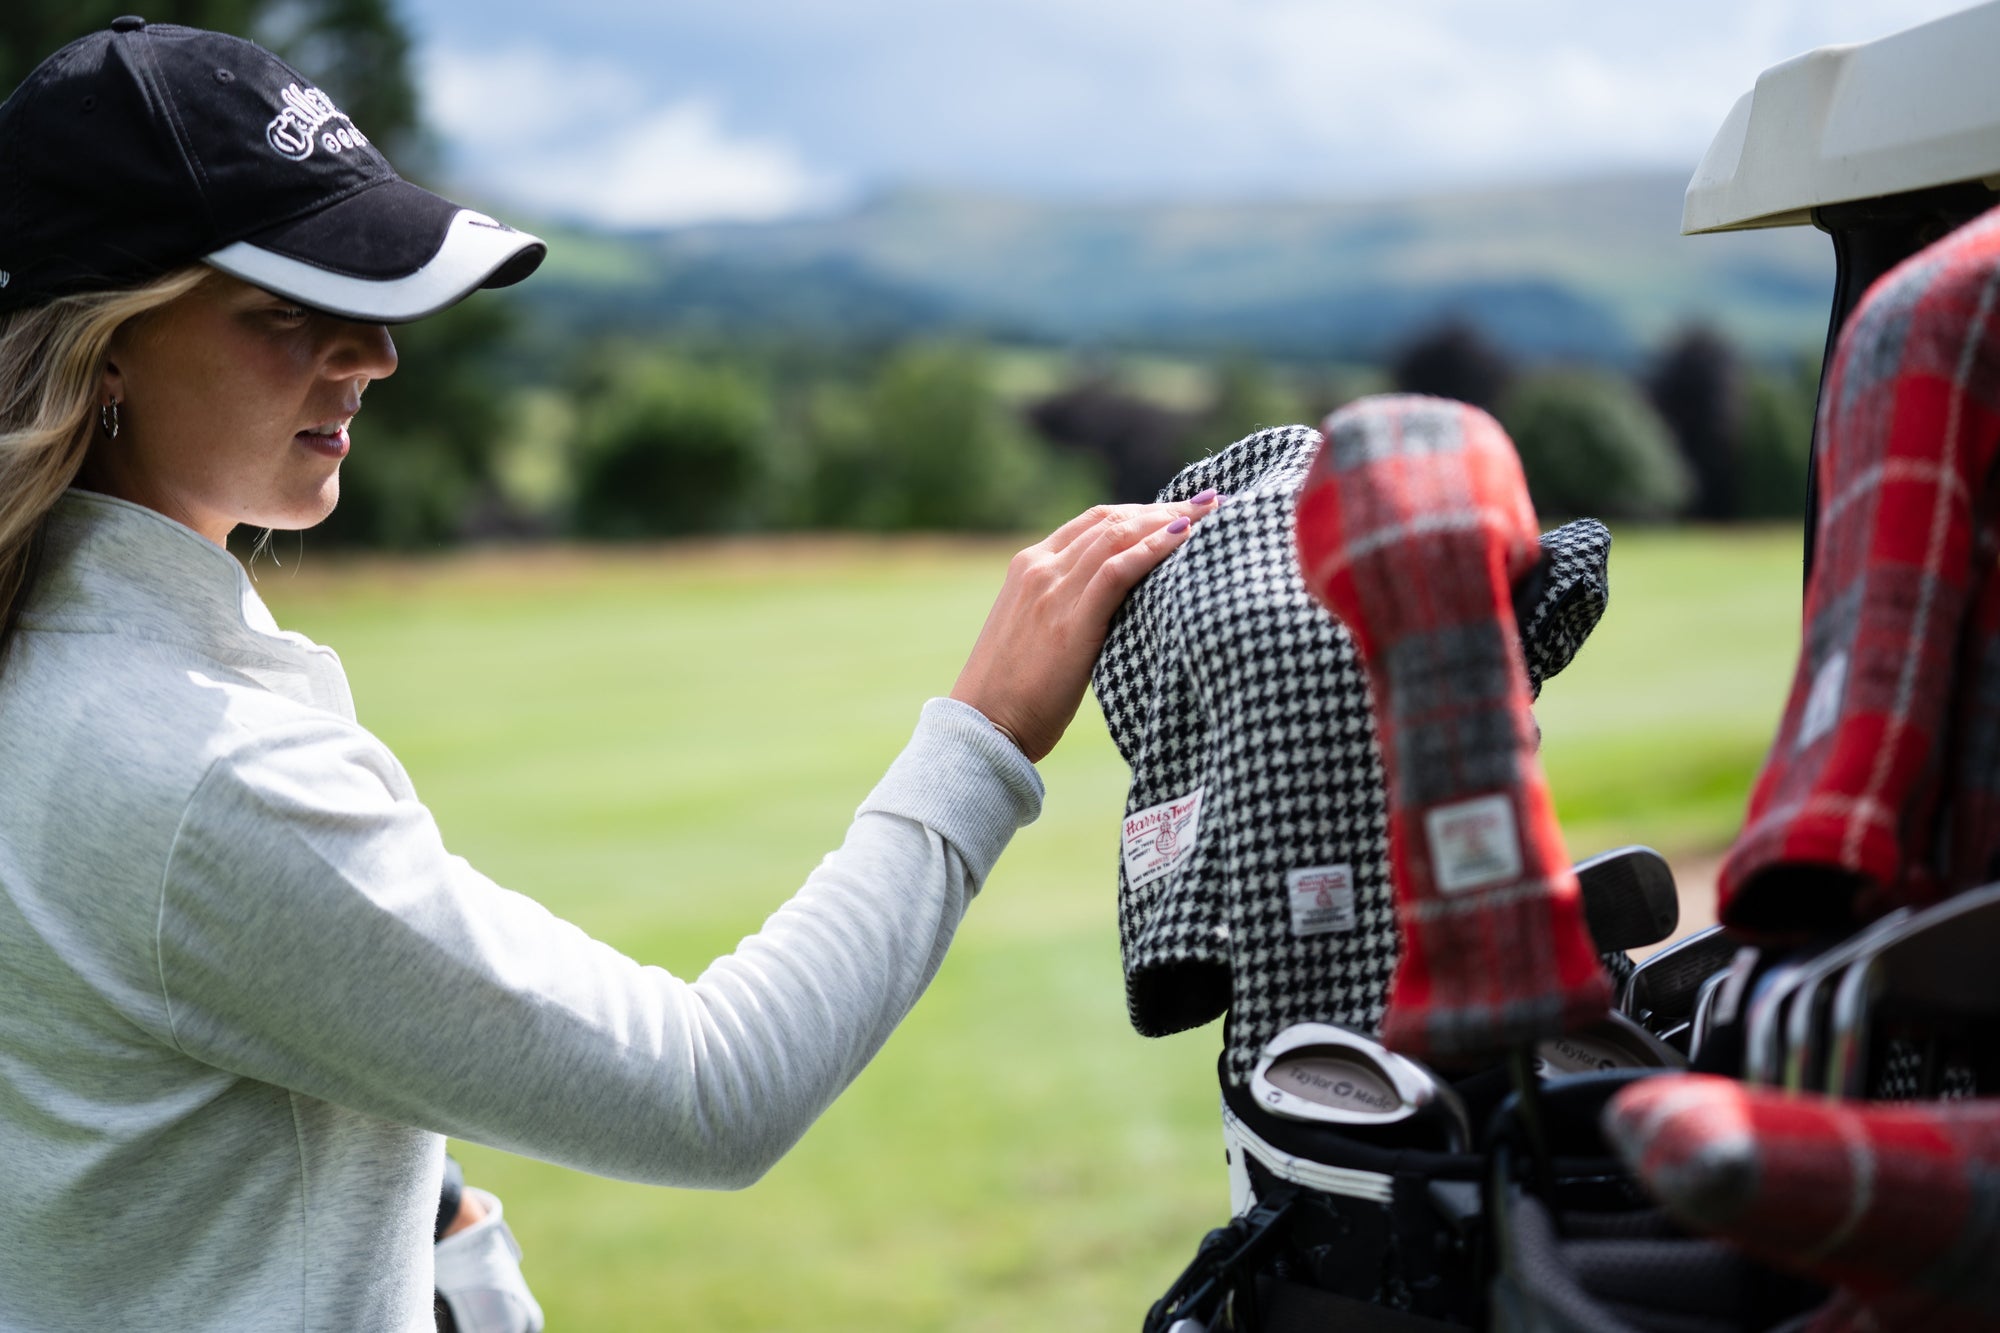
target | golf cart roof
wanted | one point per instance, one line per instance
(1915, 109)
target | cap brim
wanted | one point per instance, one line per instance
(388, 255)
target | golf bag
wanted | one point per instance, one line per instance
(1354, 1231)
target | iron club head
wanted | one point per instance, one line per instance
(1629, 898)
(1330, 1075)
(1661, 990)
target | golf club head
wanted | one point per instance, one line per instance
(1809, 1013)
(1937, 964)
(1616, 1043)
(1847, 1032)
(1629, 899)
(1329, 1075)
(1661, 990)
(1704, 1012)
(1763, 1027)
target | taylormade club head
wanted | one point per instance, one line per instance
(1329, 1075)
(1616, 1043)
(1661, 990)
(1629, 899)
(1938, 963)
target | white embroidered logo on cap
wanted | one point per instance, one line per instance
(1160, 837)
(5, 277)
(307, 122)
(1322, 899)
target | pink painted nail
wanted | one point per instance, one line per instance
(1179, 525)
(1206, 497)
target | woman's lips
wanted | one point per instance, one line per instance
(332, 445)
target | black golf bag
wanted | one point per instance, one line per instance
(1359, 1232)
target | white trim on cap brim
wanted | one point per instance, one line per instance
(475, 247)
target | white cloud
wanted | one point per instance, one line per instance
(582, 140)
(1124, 96)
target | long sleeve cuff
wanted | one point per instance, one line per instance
(962, 778)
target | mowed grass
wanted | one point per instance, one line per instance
(660, 746)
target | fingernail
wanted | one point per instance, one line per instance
(1206, 497)
(1179, 525)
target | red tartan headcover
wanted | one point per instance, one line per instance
(1413, 528)
(1899, 1204)
(1885, 773)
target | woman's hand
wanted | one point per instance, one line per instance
(1033, 658)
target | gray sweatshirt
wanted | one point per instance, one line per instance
(245, 991)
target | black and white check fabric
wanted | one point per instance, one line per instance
(1254, 865)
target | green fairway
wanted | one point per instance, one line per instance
(659, 746)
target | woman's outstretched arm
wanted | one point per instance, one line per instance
(314, 933)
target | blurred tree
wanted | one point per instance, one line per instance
(1591, 444)
(1776, 440)
(1454, 360)
(1247, 399)
(1139, 443)
(1336, 386)
(929, 446)
(667, 447)
(1697, 386)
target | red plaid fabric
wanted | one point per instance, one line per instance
(1414, 527)
(1897, 1204)
(1886, 767)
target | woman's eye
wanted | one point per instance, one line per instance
(293, 314)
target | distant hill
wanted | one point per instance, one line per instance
(1590, 269)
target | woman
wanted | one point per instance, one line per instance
(244, 990)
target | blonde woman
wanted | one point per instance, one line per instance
(244, 989)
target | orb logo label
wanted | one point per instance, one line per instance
(1322, 899)
(1473, 843)
(1160, 837)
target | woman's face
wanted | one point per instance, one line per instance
(233, 408)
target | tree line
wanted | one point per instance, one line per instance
(634, 439)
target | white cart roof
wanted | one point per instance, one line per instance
(1908, 111)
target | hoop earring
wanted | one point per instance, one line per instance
(107, 417)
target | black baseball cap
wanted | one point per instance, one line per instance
(145, 147)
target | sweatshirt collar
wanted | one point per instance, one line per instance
(111, 566)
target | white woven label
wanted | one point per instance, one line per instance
(1474, 843)
(1160, 837)
(1322, 899)
(1823, 702)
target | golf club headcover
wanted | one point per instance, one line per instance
(1898, 1204)
(1414, 528)
(1882, 787)
(1253, 865)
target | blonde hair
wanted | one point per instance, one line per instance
(51, 362)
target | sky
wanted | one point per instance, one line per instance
(648, 113)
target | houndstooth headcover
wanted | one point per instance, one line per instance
(1254, 866)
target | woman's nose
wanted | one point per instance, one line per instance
(366, 350)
